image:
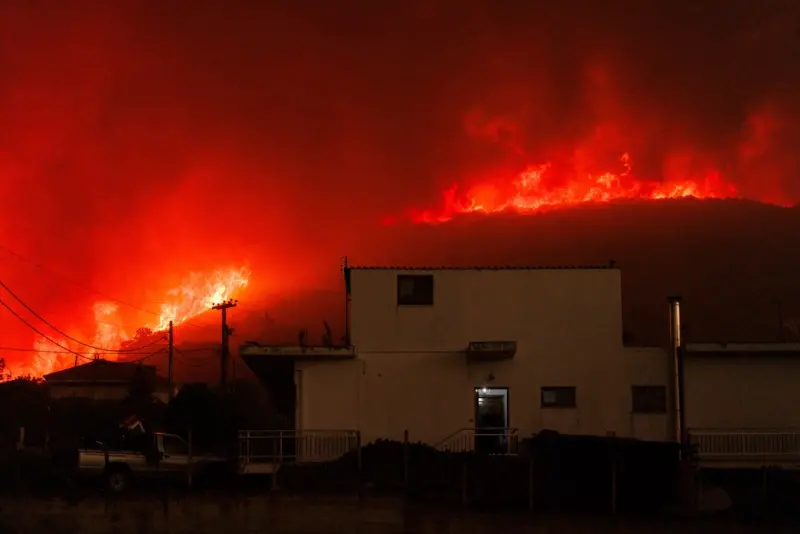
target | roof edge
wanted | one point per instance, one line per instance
(775, 347)
(610, 266)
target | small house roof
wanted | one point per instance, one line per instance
(100, 371)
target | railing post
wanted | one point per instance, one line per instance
(531, 483)
(359, 466)
(277, 460)
(190, 463)
(358, 452)
(613, 459)
(464, 482)
(280, 447)
(405, 461)
(247, 445)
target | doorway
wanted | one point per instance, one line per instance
(491, 420)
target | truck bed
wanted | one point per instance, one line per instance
(95, 460)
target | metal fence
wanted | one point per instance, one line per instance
(267, 450)
(746, 445)
(488, 440)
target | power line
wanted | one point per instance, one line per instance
(188, 362)
(92, 290)
(74, 283)
(202, 349)
(29, 325)
(67, 336)
(20, 349)
(145, 358)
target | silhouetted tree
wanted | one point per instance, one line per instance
(141, 337)
(140, 399)
(216, 417)
(5, 374)
(24, 403)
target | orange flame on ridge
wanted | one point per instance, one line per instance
(536, 190)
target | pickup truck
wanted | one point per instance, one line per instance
(157, 455)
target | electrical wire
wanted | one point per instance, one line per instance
(85, 287)
(67, 336)
(20, 349)
(187, 357)
(145, 358)
(189, 363)
(45, 336)
(214, 348)
(73, 282)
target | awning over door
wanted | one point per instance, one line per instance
(491, 350)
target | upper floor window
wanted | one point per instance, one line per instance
(648, 399)
(559, 397)
(415, 290)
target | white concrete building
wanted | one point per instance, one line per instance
(742, 402)
(445, 353)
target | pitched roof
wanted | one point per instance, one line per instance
(101, 371)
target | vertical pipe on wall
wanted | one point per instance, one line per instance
(675, 348)
(346, 271)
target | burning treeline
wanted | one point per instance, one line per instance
(196, 295)
(589, 174)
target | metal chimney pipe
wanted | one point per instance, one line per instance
(675, 347)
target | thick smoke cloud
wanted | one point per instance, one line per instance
(141, 140)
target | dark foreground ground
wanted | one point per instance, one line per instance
(222, 514)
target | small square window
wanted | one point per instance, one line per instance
(558, 397)
(415, 290)
(649, 399)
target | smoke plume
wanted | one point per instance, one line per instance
(144, 140)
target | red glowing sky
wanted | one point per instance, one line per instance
(143, 140)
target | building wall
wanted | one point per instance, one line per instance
(100, 392)
(741, 392)
(412, 372)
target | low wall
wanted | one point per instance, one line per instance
(197, 514)
(284, 514)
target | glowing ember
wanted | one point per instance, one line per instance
(197, 293)
(539, 188)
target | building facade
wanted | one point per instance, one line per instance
(740, 403)
(442, 353)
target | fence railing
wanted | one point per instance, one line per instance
(746, 444)
(293, 446)
(486, 440)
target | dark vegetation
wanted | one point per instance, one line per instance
(213, 417)
(580, 475)
(552, 472)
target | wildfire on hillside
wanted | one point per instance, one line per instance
(586, 176)
(532, 190)
(196, 294)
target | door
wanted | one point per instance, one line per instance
(175, 455)
(491, 420)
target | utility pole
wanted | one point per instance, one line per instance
(170, 353)
(225, 349)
